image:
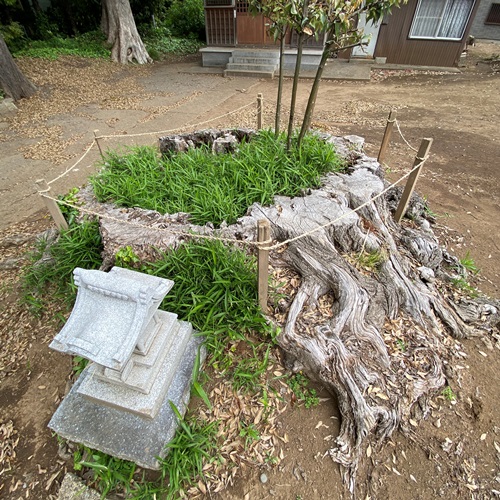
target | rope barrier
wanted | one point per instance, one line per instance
(151, 228)
(403, 137)
(178, 128)
(74, 165)
(144, 134)
(233, 240)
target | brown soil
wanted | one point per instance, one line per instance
(456, 451)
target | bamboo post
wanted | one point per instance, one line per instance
(263, 237)
(97, 142)
(387, 136)
(260, 105)
(52, 206)
(422, 154)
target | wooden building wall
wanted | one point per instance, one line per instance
(394, 42)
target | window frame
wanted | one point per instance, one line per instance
(439, 38)
(491, 14)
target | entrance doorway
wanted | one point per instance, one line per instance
(369, 28)
(251, 30)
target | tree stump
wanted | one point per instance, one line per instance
(373, 318)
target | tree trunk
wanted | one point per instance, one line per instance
(118, 24)
(296, 75)
(314, 91)
(373, 317)
(280, 87)
(12, 81)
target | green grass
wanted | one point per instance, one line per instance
(469, 264)
(79, 246)
(448, 394)
(260, 170)
(92, 45)
(371, 261)
(216, 290)
(194, 444)
(160, 42)
(109, 473)
(299, 385)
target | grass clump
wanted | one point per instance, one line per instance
(109, 473)
(371, 260)
(299, 385)
(469, 264)
(51, 265)
(214, 188)
(160, 41)
(448, 394)
(194, 444)
(216, 290)
(465, 267)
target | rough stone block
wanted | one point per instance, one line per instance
(73, 488)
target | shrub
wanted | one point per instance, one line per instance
(187, 18)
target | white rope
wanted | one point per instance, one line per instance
(403, 137)
(144, 134)
(67, 171)
(179, 128)
(233, 240)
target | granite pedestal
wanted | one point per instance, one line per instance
(141, 362)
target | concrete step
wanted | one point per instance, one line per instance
(255, 53)
(253, 60)
(253, 74)
(250, 67)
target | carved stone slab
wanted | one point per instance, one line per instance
(111, 312)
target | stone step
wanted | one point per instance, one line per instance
(140, 372)
(254, 60)
(125, 398)
(255, 53)
(250, 67)
(249, 73)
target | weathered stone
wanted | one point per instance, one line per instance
(225, 144)
(171, 145)
(208, 137)
(73, 488)
(139, 402)
(111, 311)
(124, 434)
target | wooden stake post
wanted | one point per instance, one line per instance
(387, 136)
(422, 154)
(260, 101)
(52, 206)
(97, 142)
(263, 237)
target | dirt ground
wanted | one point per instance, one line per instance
(455, 453)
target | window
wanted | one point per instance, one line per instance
(219, 3)
(494, 15)
(441, 19)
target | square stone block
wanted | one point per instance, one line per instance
(127, 399)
